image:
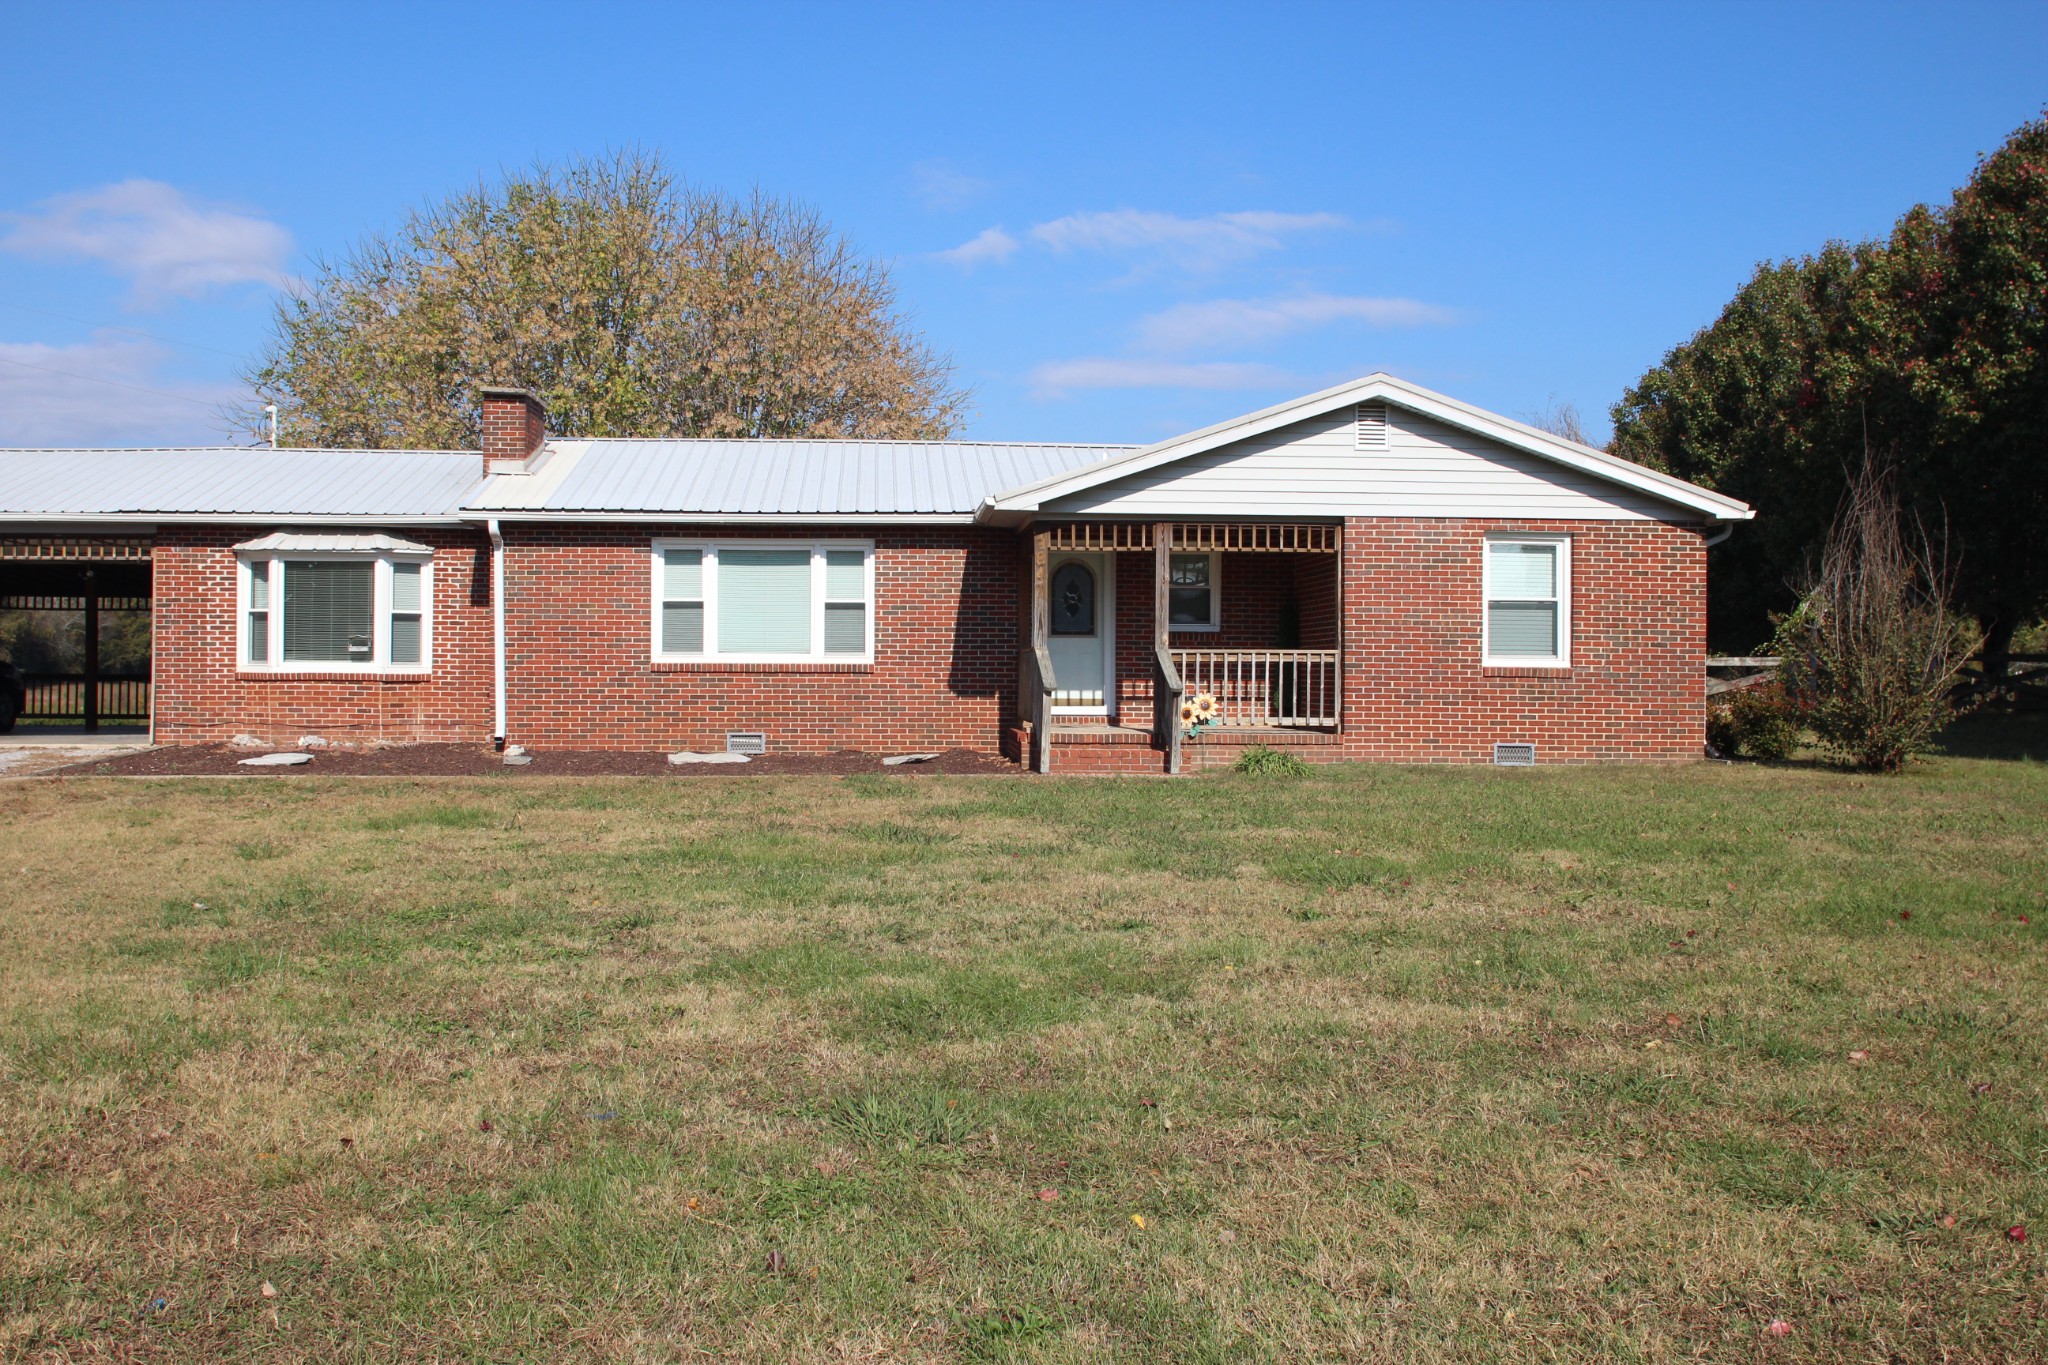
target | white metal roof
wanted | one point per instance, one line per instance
(333, 542)
(778, 478)
(236, 483)
(1021, 500)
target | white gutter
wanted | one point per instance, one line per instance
(497, 629)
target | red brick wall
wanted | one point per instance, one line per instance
(201, 696)
(1414, 690)
(580, 672)
(579, 609)
(1414, 687)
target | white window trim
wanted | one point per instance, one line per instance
(1563, 657)
(710, 548)
(1215, 596)
(380, 613)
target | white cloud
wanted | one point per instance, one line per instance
(106, 391)
(938, 186)
(164, 242)
(1192, 326)
(1197, 244)
(1193, 244)
(993, 244)
(1056, 378)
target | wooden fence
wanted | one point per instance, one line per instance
(62, 696)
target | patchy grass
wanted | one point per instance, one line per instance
(1378, 1063)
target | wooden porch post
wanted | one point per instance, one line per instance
(92, 650)
(1041, 654)
(1337, 670)
(1166, 683)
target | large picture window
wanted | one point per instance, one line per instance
(335, 611)
(1528, 602)
(759, 601)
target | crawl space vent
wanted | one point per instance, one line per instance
(1514, 755)
(745, 742)
(1372, 426)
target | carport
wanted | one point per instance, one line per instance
(91, 576)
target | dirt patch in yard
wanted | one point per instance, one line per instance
(476, 760)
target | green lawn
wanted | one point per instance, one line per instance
(1383, 1063)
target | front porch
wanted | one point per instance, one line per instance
(1126, 621)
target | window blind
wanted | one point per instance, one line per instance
(328, 606)
(764, 601)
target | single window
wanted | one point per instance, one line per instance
(682, 601)
(405, 613)
(259, 612)
(763, 601)
(1073, 599)
(1191, 592)
(1527, 601)
(329, 606)
(846, 602)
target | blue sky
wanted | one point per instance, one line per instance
(1122, 221)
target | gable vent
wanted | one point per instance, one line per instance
(1372, 426)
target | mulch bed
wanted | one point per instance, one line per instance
(472, 760)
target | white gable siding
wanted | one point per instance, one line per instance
(1314, 469)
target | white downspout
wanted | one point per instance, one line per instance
(1711, 541)
(497, 629)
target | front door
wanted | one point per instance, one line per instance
(1082, 634)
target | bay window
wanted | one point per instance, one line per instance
(334, 609)
(756, 601)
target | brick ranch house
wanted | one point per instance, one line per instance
(1371, 572)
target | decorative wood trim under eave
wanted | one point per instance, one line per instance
(268, 675)
(718, 666)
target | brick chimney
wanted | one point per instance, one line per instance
(515, 424)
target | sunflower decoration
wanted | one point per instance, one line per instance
(1198, 712)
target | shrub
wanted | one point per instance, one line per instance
(1259, 761)
(1873, 652)
(1758, 722)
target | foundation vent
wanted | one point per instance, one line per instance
(1514, 755)
(745, 742)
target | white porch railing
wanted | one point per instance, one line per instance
(1295, 688)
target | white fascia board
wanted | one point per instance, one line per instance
(128, 521)
(1033, 496)
(681, 516)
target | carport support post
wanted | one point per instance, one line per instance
(92, 650)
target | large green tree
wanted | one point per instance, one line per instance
(1928, 349)
(632, 304)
